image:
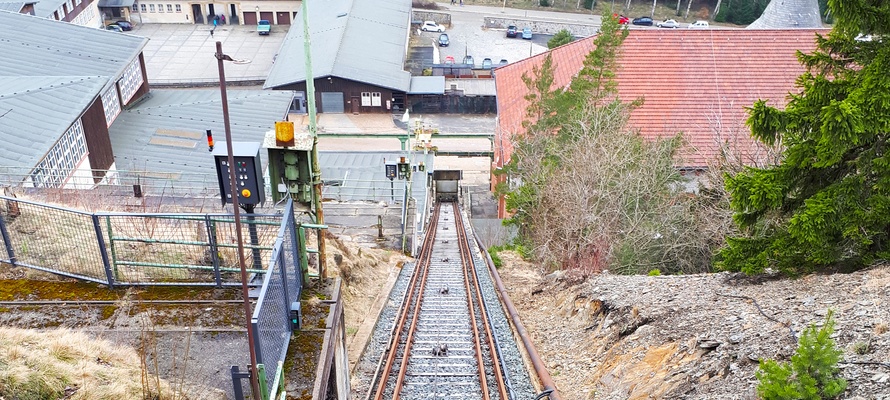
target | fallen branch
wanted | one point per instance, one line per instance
(791, 330)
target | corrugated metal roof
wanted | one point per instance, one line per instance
(473, 87)
(165, 132)
(115, 3)
(37, 111)
(364, 41)
(34, 46)
(360, 175)
(427, 85)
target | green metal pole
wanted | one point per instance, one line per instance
(264, 388)
(111, 246)
(316, 169)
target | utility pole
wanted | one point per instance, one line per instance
(313, 130)
(254, 373)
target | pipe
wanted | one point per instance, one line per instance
(533, 355)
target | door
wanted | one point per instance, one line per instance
(356, 106)
(210, 10)
(250, 18)
(332, 102)
(283, 18)
(197, 15)
(267, 15)
(233, 14)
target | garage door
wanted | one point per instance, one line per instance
(283, 18)
(332, 102)
(250, 18)
(267, 16)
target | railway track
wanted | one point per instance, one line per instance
(442, 344)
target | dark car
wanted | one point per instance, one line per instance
(113, 28)
(511, 31)
(443, 40)
(646, 21)
(125, 25)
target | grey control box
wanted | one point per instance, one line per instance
(249, 184)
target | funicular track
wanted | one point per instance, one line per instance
(442, 326)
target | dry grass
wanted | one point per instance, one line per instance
(71, 365)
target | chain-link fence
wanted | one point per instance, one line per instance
(133, 248)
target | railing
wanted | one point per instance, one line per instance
(131, 248)
(364, 190)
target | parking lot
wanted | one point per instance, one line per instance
(472, 39)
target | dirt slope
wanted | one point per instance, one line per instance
(639, 337)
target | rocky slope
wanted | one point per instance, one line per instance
(697, 336)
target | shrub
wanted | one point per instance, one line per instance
(544, 3)
(812, 373)
(655, 272)
(560, 38)
(589, 4)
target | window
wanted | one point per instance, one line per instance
(142, 7)
(169, 7)
(178, 8)
(366, 99)
(62, 159)
(135, 8)
(151, 8)
(111, 105)
(130, 81)
(160, 8)
(375, 99)
(77, 2)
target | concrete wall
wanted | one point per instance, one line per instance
(426, 15)
(540, 27)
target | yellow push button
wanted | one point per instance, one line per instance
(245, 193)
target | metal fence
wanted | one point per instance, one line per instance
(364, 190)
(132, 248)
(271, 322)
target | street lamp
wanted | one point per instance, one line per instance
(254, 380)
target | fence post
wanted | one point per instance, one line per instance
(214, 252)
(264, 385)
(111, 245)
(9, 250)
(100, 240)
(282, 263)
(237, 375)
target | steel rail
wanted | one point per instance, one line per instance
(470, 269)
(483, 377)
(421, 269)
(537, 363)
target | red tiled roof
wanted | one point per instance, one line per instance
(694, 81)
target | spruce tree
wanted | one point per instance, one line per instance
(827, 204)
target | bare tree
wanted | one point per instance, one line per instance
(678, 7)
(717, 8)
(688, 6)
(652, 14)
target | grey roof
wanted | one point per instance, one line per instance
(12, 6)
(50, 72)
(37, 111)
(34, 46)
(165, 132)
(115, 3)
(360, 175)
(360, 40)
(427, 85)
(46, 8)
(473, 87)
(786, 14)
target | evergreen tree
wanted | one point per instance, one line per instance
(828, 202)
(560, 38)
(812, 373)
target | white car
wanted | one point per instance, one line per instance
(432, 26)
(699, 25)
(668, 23)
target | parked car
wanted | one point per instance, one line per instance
(645, 21)
(503, 62)
(113, 28)
(527, 33)
(449, 60)
(511, 31)
(486, 63)
(125, 25)
(699, 25)
(622, 19)
(443, 40)
(469, 60)
(668, 23)
(432, 26)
(263, 27)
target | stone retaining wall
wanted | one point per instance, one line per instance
(442, 18)
(541, 27)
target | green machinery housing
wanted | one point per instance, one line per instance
(290, 169)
